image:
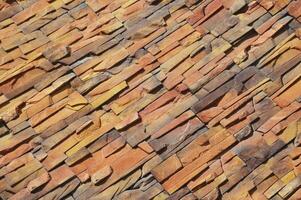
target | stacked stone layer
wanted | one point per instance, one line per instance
(150, 99)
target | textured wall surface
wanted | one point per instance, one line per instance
(150, 99)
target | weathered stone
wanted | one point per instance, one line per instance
(188, 172)
(50, 77)
(253, 151)
(101, 174)
(235, 33)
(11, 141)
(38, 182)
(167, 168)
(213, 96)
(56, 52)
(294, 8)
(101, 99)
(18, 175)
(77, 156)
(135, 135)
(103, 140)
(9, 12)
(245, 132)
(56, 24)
(172, 63)
(113, 147)
(173, 99)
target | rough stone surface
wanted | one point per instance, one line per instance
(150, 99)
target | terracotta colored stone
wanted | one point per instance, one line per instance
(164, 170)
(15, 154)
(57, 156)
(108, 121)
(279, 116)
(182, 118)
(191, 170)
(113, 147)
(173, 99)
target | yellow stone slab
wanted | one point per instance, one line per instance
(108, 95)
(290, 132)
(108, 121)
(288, 177)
